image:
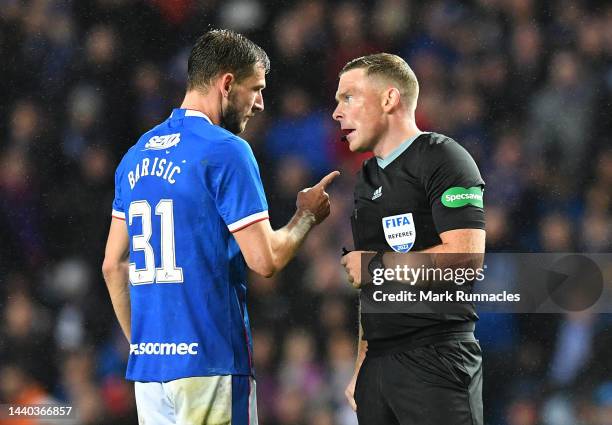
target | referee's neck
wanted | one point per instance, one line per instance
(394, 137)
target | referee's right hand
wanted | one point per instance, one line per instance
(315, 200)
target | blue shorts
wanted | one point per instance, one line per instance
(201, 400)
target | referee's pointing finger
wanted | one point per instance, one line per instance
(325, 181)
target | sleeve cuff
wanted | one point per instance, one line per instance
(118, 214)
(247, 221)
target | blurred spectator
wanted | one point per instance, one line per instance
(150, 104)
(18, 387)
(267, 385)
(77, 386)
(602, 412)
(390, 21)
(556, 233)
(298, 35)
(298, 369)
(468, 123)
(241, 15)
(341, 354)
(349, 41)
(18, 206)
(527, 61)
(522, 412)
(83, 203)
(26, 330)
(506, 173)
(85, 106)
(24, 126)
(561, 116)
(291, 173)
(291, 407)
(574, 347)
(301, 132)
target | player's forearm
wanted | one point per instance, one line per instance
(288, 239)
(116, 277)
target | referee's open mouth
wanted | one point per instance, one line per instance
(345, 133)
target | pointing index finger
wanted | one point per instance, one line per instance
(325, 181)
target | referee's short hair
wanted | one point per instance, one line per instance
(220, 51)
(390, 67)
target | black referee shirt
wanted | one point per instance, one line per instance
(435, 185)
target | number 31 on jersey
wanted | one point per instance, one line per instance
(168, 272)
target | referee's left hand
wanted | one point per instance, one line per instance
(352, 265)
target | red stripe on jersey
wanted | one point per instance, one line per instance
(248, 224)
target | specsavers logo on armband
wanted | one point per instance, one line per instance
(399, 231)
(456, 197)
(164, 348)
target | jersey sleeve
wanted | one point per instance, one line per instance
(235, 184)
(118, 208)
(454, 187)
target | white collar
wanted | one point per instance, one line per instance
(193, 113)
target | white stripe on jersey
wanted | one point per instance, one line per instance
(246, 221)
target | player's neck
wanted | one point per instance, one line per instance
(204, 103)
(394, 137)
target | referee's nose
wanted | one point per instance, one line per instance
(337, 114)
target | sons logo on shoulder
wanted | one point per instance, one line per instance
(399, 232)
(158, 143)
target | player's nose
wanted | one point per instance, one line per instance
(259, 103)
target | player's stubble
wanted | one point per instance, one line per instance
(231, 118)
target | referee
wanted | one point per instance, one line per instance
(421, 369)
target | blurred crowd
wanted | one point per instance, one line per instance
(524, 85)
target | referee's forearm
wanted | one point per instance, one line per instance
(362, 345)
(362, 348)
(461, 248)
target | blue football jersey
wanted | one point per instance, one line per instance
(182, 190)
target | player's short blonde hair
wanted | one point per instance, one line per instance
(392, 68)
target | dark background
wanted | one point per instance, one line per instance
(524, 85)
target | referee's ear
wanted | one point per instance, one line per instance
(391, 99)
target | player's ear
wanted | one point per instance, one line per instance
(226, 81)
(391, 99)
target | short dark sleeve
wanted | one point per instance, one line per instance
(453, 186)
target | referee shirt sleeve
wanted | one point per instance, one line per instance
(449, 169)
(235, 183)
